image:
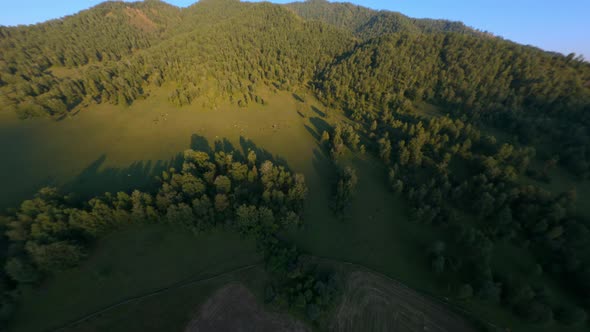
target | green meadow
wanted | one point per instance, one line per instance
(132, 262)
(109, 148)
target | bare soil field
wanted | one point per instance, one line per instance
(234, 308)
(374, 303)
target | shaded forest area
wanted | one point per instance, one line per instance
(256, 198)
(376, 66)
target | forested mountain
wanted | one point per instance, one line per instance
(103, 34)
(366, 23)
(240, 45)
(530, 93)
(219, 48)
(376, 66)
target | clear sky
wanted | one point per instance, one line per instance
(562, 26)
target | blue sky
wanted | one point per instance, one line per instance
(562, 26)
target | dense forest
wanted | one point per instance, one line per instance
(376, 66)
(366, 23)
(215, 49)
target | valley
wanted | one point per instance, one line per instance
(314, 166)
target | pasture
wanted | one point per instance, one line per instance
(128, 263)
(109, 148)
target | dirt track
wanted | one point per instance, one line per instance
(374, 303)
(234, 308)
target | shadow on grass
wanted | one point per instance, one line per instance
(298, 98)
(322, 163)
(262, 154)
(97, 179)
(201, 143)
(320, 125)
(313, 133)
(318, 112)
(224, 145)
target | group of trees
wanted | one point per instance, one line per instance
(344, 190)
(297, 283)
(466, 182)
(463, 181)
(543, 99)
(343, 137)
(53, 232)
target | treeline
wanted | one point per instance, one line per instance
(53, 232)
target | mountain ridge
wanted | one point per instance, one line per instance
(113, 31)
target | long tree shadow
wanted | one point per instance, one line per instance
(248, 145)
(318, 112)
(313, 133)
(320, 125)
(200, 143)
(224, 145)
(97, 179)
(322, 163)
(298, 98)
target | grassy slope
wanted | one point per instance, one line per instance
(118, 148)
(129, 263)
(170, 311)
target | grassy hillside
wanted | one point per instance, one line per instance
(130, 263)
(378, 232)
(452, 161)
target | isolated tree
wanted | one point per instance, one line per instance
(325, 137)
